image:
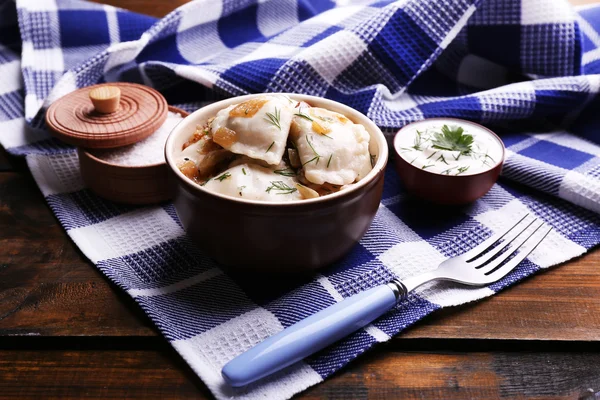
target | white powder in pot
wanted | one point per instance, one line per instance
(145, 152)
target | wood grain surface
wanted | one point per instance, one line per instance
(67, 332)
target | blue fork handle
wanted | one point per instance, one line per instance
(309, 335)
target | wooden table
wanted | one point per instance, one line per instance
(66, 332)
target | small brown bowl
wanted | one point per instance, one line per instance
(283, 237)
(446, 189)
(140, 185)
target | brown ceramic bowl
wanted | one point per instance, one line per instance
(446, 189)
(284, 237)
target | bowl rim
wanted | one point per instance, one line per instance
(347, 111)
(458, 120)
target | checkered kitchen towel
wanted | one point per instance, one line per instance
(526, 67)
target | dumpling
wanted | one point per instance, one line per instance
(257, 128)
(332, 149)
(255, 182)
(201, 158)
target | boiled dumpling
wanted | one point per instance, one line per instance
(257, 128)
(332, 149)
(201, 158)
(255, 182)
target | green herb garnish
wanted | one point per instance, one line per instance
(285, 172)
(441, 157)
(205, 182)
(274, 119)
(453, 139)
(317, 155)
(281, 186)
(427, 166)
(305, 116)
(462, 169)
(447, 172)
(271, 145)
(244, 170)
(223, 177)
(432, 154)
(329, 161)
(418, 142)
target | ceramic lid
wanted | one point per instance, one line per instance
(115, 118)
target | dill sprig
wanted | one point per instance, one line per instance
(285, 172)
(427, 166)
(281, 186)
(462, 169)
(317, 156)
(271, 145)
(329, 161)
(431, 155)
(274, 118)
(418, 141)
(305, 116)
(441, 157)
(447, 172)
(223, 177)
(244, 170)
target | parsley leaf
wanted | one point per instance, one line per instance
(453, 139)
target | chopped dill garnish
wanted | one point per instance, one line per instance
(281, 186)
(418, 141)
(274, 118)
(485, 162)
(447, 172)
(205, 182)
(414, 159)
(223, 177)
(427, 166)
(432, 154)
(271, 145)
(244, 170)
(317, 155)
(462, 169)
(240, 189)
(441, 157)
(329, 161)
(305, 116)
(457, 157)
(285, 172)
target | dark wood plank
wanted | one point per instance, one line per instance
(48, 288)
(160, 373)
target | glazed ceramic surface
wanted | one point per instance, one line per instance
(446, 189)
(281, 237)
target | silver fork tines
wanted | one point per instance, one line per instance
(491, 260)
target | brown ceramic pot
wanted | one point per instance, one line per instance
(446, 189)
(284, 237)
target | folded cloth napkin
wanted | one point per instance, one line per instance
(526, 67)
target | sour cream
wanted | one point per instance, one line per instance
(416, 146)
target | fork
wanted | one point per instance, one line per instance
(486, 263)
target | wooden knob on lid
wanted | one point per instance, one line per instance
(118, 114)
(105, 98)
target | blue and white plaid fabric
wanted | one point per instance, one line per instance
(528, 68)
